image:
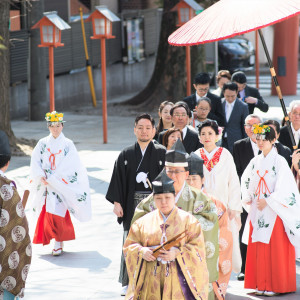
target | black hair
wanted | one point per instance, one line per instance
(269, 135)
(160, 126)
(144, 116)
(223, 74)
(202, 78)
(4, 159)
(230, 86)
(210, 123)
(181, 104)
(204, 99)
(274, 123)
(168, 133)
(50, 123)
(239, 77)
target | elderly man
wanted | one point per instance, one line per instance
(180, 113)
(243, 151)
(248, 94)
(191, 200)
(294, 114)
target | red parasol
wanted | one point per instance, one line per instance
(228, 18)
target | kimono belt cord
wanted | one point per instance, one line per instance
(52, 159)
(262, 186)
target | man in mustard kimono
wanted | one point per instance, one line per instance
(193, 201)
(177, 273)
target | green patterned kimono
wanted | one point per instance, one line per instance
(203, 208)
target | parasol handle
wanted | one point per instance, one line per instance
(278, 90)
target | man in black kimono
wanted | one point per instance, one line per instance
(135, 168)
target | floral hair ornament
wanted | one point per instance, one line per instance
(220, 131)
(54, 117)
(260, 131)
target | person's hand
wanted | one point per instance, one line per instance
(118, 210)
(168, 255)
(295, 159)
(261, 204)
(44, 181)
(238, 221)
(231, 213)
(147, 254)
(251, 100)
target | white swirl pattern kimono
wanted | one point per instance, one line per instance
(68, 185)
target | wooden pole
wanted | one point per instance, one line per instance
(88, 63)
(104, 92)
(51, 79)
(256, 60)
(188, 70)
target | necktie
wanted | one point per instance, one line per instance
(228, 111)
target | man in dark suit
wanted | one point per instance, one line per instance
(180, 113)
(294, 114)
(235, 112)
(201, 85)
(248, 94)
(243, 151)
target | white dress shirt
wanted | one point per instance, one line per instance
(296, 134)
(254, 148)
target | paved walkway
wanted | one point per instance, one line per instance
(89, 266)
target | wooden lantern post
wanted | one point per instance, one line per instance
(186, 10)
(50, 27)
(102, 19)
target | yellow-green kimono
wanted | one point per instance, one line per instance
(184, 278)
(203, 208)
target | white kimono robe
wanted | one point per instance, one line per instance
(68, 185)
(270, 178)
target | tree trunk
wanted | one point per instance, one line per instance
(5, 73)
(168, 81)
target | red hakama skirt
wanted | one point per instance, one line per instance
(51, 226)
(271, 267)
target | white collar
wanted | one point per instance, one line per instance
(179, 193)
(2, 174)
(184, 130)
(209, 155)
(198, 97)
(294, 131)
(230, 104)
(164, 217)
(143, 151)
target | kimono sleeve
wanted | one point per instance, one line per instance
(234, 190)
(36, 170)
(247, 193)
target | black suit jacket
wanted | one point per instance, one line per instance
(234, 127)
(216, 112)
(242, 154)
(261, 104)
(285, 152)
(190, 142)
(285, 139)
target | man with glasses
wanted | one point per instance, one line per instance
(201, 85)
(135, 168)
(180, 114)
(248, 94)
(243, 151)
(191, 200)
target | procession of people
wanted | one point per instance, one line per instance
(210, 190)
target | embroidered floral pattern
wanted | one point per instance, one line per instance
(261, 223)
(57, 197)
(291, 200)
(66, 151)
(73, 178)
(209, 164)
(43, 148)
(82, 197)
(274, 171)
(247, 183)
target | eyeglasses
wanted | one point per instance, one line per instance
(203, 90)
(204, 109)
(295, 114)
(247, 125)
(176, 172)
(180, 115)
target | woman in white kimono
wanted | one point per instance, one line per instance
(271, 197)
(59, 185)
(221, 180)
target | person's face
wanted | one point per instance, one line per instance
(179, 175)
(165, 114)
(249, 129)
(222, 81)
(201, 89)
(230, 95)
(144, 131)
(180, 117)
(264, 145)
(195, 181)
(55, 129)
(208, 137)
(164, 202)
(295, 117)
(173, 138)
(241, 86)
(203, 110)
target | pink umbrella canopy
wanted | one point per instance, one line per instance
(228, 18)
